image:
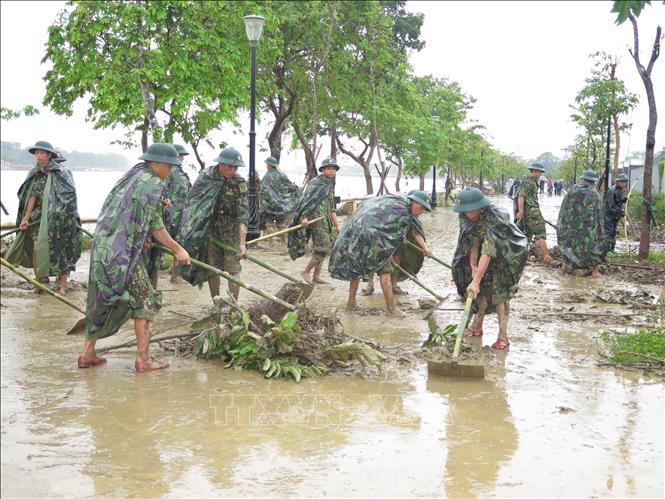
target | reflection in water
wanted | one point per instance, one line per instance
(480, 436)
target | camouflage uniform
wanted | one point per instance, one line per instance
(533, 223)
(216, 206)
(231, 210)
(57, 233)
(500, 239)
(119, 287)
(372, 236)
(318, 200)
(277, 197)
(613, 212)
(580, 229)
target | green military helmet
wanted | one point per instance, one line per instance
(470, 199)
(59, 158)
(536, 166)
(328, 162)
(42, 145)
(230, 156)
(161, 153)
(419, 197)
(590, 175)
(272, 162)
(622, 177)
(181, 149)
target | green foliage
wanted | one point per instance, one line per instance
(623, 8)
(657, 199)
(639, 347)
(438, 335)
(10, 114)
(242, 349)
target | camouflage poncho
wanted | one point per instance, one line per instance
(122, 227)
(316, 200)
(207, 202)
(177, 188)
(58, 231)
(372, 236)
(277, 196)
(499, 238)
(580, 229)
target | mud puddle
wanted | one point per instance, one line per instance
(546, 420)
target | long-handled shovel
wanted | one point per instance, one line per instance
(17, 229)
(305, 287)
(283, 231)
(437, 260)
(454, 368)
(231, 278)
(40, 286)
(413, 278)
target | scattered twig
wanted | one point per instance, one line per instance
(184, 315)
(648, 357)
(152, 340)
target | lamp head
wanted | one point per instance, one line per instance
(254, 27)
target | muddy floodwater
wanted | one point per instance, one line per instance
(545, 421)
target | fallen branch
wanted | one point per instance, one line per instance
(152, 340)
(648, 357)
(642, 267)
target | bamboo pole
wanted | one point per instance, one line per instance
(252, 258)
(40, 286)
(283, 231)
(438, 260)
(12, 225)
(14, 231)
(231, 278)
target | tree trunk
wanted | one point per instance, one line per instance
(645, 74)
(617, 146)
(333, 144)
(310, 159)
(400, 169)
(421, 186)
(275, 140)
(202, 163)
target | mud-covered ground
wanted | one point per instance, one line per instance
(545, 421)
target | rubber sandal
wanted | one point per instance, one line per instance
(83, 363)
(145, 369)
(501, 344)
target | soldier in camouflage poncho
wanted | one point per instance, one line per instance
(277, 197)
(528, 216)
(217, 206)
(580, 227)
(614, 210)
(119, 287)
(318, 200)
(489, 261)
(50, 237)
(173, 202)
(370, 239)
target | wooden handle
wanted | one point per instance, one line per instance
(283, 231)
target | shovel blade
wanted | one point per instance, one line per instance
(79, 327)
(306, 289)
(455, 370)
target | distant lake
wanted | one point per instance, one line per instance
(93, 187)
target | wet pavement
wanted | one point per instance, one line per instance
(546, 421)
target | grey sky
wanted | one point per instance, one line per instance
(522, 61)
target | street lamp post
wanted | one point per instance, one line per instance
(253, 28)
(433, 203)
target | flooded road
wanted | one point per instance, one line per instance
(546, 421)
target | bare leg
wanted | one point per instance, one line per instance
(369, 289)
(174, 271)
(88, 356)
(62, 284)
(213, 284)
(595, 272)
(542, 244)
(317, 274)
(353, 290)
(503, 313)
(234, 289)
(386, 286)
(144, 362)
(476, 326)
(270, 229)
(308, 269)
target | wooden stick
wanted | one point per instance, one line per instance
(152, 340)
(638, 354)
(438, 260)
(283, 231)
(407, 274)
(40, 286)
(643, 267)
(12, 225)
(18, 230)
(231, 278)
